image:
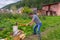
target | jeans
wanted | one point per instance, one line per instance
(37, 28)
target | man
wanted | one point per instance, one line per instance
(35, 19)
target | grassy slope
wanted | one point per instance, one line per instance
(51, 33)
(50, 21)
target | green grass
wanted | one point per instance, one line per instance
(8, 20)
(53, 34)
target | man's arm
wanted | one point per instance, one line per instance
(32, 21)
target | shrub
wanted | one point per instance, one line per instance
(27, 10)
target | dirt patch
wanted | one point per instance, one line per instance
(32, 37)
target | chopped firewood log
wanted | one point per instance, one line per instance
(20, 35)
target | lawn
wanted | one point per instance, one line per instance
(8, 20)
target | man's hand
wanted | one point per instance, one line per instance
(27, 24)
(31, 24)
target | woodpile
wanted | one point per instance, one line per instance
(19, 36)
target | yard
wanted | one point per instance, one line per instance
(50, 29)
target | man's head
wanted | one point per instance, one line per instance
(31, 14)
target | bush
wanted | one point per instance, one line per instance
(27, 10)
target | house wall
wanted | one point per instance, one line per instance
(54, 8)
(45, 8)
(58, 10)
